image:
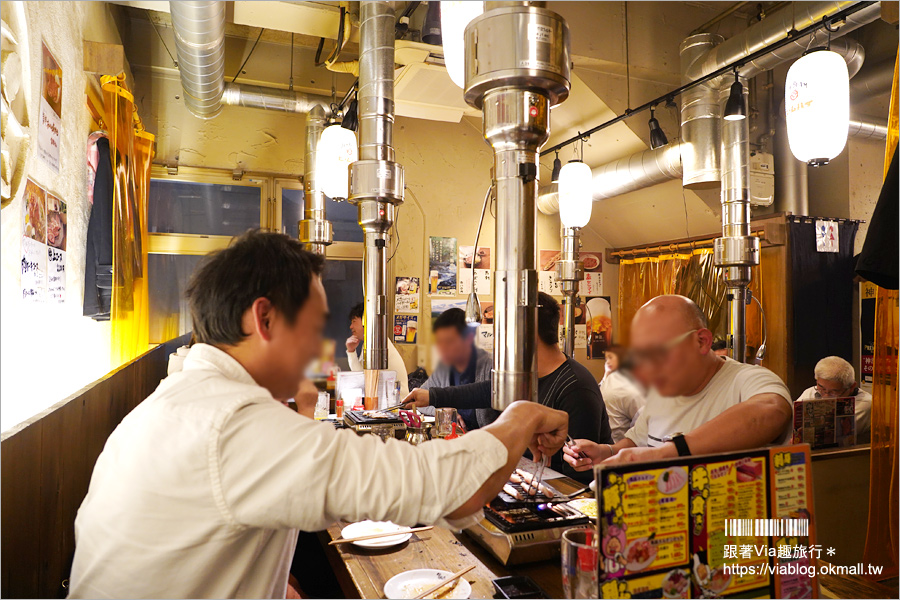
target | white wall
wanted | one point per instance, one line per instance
(51, 351)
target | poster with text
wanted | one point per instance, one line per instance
(867, 293)
(598, 317)
(34, 247)
(482, 260)
(484, 334)
(592, 284)
(406, 328)
(51, 109)
(406, 295)
(442, 266)
(56, 249)
(439, 306)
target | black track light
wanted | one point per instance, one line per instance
(351, 119)
(736, 107)
(657, 135)
(557, 167)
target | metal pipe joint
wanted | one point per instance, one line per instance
(569, 273)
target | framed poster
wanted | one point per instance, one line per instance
(442, 266)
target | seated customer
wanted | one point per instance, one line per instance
(395, 361)
(622, 393)
(461, 362)
(835, 378)
(720, 348)
(200, 490)
(698, 402)
(563, 384)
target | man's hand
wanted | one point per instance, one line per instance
(418, 398)
(352, 343)
(593, 451)
(642, 454)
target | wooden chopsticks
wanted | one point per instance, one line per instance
(453, 578)
(373, 536)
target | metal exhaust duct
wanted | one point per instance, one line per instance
(315, 231)
(791, 175)
(200, 46)
(701, 116)
(774, 27)
(517, 66)
(569, 272)
(868, 130)
(736, 251)
(376, 181)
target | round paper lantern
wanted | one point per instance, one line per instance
(575, 198)
(817, 106)
(336, 150)
(454, 18)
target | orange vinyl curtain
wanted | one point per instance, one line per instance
(690, 274)
(882, 544)
(131, 152)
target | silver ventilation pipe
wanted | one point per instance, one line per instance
(376, 181)
(791, 175)
(736, 251)
(267, 98)
(517, 67)
(569, 273)
(200, 46)
(315, 231)
(873, 81)
(774, 27)
(701, 116)
(865, 129)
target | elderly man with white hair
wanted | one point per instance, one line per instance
(835, 378)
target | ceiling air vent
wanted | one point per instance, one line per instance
(422, 87)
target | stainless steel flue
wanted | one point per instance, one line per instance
(517, 67)
(569, 273)
(376, 180)
(315, 230)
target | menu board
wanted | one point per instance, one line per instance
(723, 525)
(825, 422)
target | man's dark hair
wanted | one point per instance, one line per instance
(548, 319)
(357, 311)
(452, 317)
(255, 265)
(719, 345)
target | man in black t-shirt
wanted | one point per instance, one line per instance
(563, 384)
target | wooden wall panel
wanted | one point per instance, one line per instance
(45, 468)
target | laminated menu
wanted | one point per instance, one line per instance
(727, 525)
(825, 422)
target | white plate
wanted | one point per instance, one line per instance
(371, 527)
(410, 584)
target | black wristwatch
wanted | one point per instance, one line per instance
(680, 444)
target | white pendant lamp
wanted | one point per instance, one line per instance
(817, 106)
(336, 150)
(454, 18)
(575, 198)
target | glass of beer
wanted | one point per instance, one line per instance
(579, 563)
(434, 281)
(411, 327)
(444, 418)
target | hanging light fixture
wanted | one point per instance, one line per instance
(336, 150)
(817, 106)
(575, 200)
(657, 135)
(454, 18)
(351, 116)
(557, 167)
(736, 106)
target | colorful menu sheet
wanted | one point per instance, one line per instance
(727, 525)
(825, 422)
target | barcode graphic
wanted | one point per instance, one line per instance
(767, 527)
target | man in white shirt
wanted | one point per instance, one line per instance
(395, 361)
(836, 378)
(622, 394)
(201, 489)
(698, 403)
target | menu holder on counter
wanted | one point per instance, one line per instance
(722, 525)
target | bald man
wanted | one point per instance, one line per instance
(698, 402)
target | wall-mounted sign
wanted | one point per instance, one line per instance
(49, 128)
(406, 295)
(442, 266)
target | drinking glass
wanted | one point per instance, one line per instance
(383, 430)
(579, 563)
(444, 418)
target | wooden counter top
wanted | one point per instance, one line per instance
(363, 573)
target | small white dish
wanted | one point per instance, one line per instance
(372, 527)
(410, 584)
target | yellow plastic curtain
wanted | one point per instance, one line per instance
(882, 544)
(131, 152)
(692, 274)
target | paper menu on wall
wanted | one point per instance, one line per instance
(50, 125)
(483, 283)
(406, 295)
(694, 526)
